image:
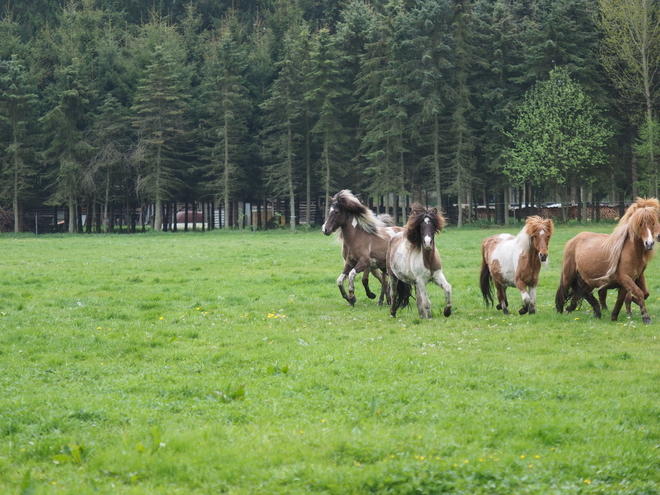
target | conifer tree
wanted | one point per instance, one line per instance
(328, 95)
(159, 117)
(225, 113)
(17, 100)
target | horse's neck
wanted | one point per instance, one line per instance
(431, 258)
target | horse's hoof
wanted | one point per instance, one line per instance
(598, 315)
(351, 301)
(371, 295)
(522, 311)
(447, 311)
(499, 306)
(647, 320)
(505, 311)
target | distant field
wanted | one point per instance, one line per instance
(227, 362)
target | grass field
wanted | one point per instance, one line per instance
(227, 362)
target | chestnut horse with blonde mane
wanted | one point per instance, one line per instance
(364, 243)
(413, 259)
(611, 261)
(515, 261)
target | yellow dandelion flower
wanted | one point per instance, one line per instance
(522, 456)
(161, 318)
(588, 482)
(99, 328)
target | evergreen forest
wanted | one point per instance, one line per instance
(144, 105)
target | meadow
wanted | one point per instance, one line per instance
(227, 362)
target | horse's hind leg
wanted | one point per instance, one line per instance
(365, 283)
(423, 301)
(501, 297)
(594, 303)
(602, 298)
(393, 294)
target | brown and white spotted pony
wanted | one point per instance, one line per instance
(611, 261)
(364, 243)
(413, 259)
(515, 261)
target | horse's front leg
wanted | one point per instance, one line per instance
(439, 279)
(382, 278)
(629, 285)
(358, 268)
(340, 281)
(423, 301)
(532, 300)
(526, 298)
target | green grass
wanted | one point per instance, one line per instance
(228, 363)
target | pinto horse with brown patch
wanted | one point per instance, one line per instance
(515, 261)
(413, 259)
(364, 243)
(611, 261)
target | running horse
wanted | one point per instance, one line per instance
(364, 243)
(515, 261)
(611, 261)
(413, 259)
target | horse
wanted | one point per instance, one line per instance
(515, 261)
(611, 261)
(364, 243)
(412, 258)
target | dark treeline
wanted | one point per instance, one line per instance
(105, 102)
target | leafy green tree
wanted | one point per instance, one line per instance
(226, 112)
(17, 101)
(558, 136)
(631, 56)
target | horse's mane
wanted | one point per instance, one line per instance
(365, 218)
(417, 215)
(533, 227)
(640, 212)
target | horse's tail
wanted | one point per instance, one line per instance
(564, 293)
(567, 281)
(485, 283)
(403, 293)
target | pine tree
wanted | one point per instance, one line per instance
(159, 107)
(282, 121)
(328, 96)
(225, 113)
(17, 101)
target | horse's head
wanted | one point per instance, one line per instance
(334, 218)
(422, 226)
(540, 231)
(644, 225)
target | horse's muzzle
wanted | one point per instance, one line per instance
(543, 257)
(649, 245)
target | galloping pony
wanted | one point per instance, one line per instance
(364, 243)
(515, 261)
(611, 261)
(413, 259)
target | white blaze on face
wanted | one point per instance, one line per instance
(427, 239)
(354, 222)
(649, 241)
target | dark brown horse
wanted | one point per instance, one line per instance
(364, 243)
(611, 261)
(515, 261)
(412, 259)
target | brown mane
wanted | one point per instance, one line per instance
(366, 219)
(534, 225)
(637, 214)
(417, 215)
